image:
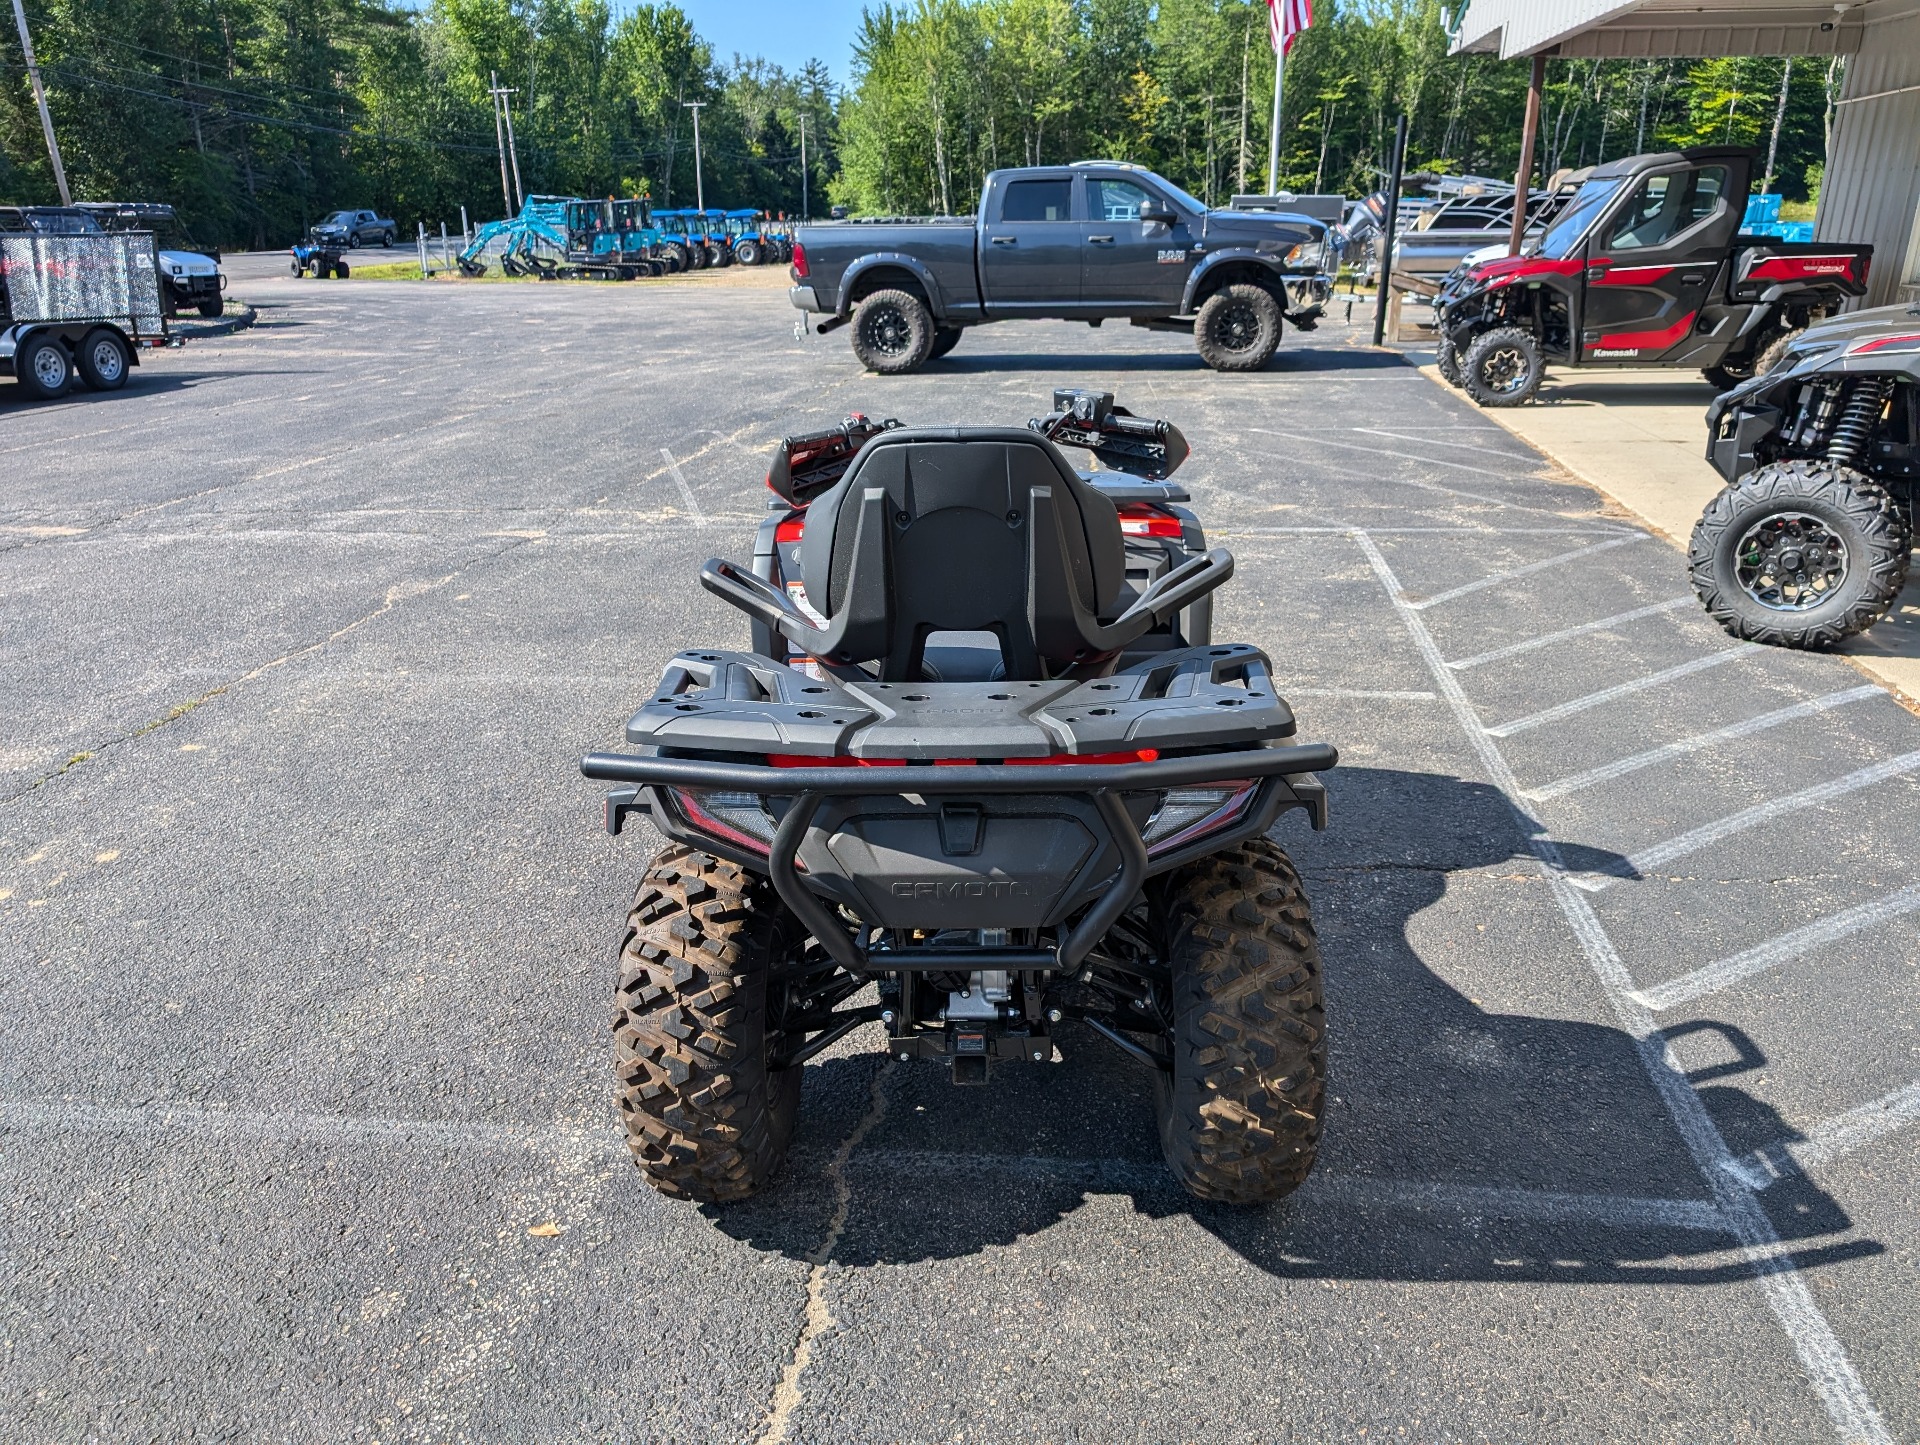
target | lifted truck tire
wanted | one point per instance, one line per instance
(1503, 367)
(892, 332)
(43, 367)
(1798, 511)
(707, 1118)
(944, 340)
(103, 360)
(1240, 1114)
(1237, 328)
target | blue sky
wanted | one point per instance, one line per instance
(787, 33)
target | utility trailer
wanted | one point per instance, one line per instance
(86, 304)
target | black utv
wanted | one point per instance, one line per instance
(1809, 541)
(1048, 828)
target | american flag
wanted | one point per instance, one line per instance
(1285, 20)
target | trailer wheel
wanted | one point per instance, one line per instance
(892, 332)
(103, 360)
(1237, 328)
(43, 367)
(1799, 554)
(1503, 367)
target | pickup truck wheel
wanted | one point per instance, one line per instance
(103, 361)
(944, 340)
(353, 240)
(1503, 367)
(386, 238)
(1240, 1112)
(708, 1114)
(1237, 328)
(892, 332)
(1799, 554)
(43, 368)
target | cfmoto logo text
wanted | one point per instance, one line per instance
(964, 888)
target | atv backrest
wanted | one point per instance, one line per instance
(989, 530)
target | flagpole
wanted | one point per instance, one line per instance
(1273, 139)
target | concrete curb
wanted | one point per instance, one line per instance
(225, 326)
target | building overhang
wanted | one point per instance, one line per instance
(1656, 29)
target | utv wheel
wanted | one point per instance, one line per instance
(1237, 328)
(1447, 361)
(1240, 1113)
(944, 340)
(1769, 347)
(213, 307)
(707, 1115)
(892, 332)
(103, 361)
(1503, 367)
(43, 368)
(1799, 554)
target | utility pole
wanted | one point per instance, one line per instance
(500, 140)
(699, 187)
(40, 98)
(805, 213)
(513, 151)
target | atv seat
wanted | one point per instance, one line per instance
(972, 530)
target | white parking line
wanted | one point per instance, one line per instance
(1527, 571)
(686, 492)
(1822, 1357)
(1620, 690)
(1707, 834)
(1830, 1138)
(1787, 948)
(1699, 742)
(1354, 692)
(1478, 468)
(1514, 649)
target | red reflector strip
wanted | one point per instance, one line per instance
(800, 760)
(1140, 520)
(789, 530)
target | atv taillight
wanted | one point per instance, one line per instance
(799, 262)
(790, 530)
(1141, 519)
(1185, 814)
(737, 818)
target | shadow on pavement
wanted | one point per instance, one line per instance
(1294, 355)
(1461, 1142)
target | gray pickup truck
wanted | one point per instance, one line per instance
(1086, 242)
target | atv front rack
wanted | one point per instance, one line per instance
(1283, 777)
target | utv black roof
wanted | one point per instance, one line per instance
(1660, 160)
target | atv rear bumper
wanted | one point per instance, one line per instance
(909, 814)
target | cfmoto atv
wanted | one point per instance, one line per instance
(963, 791)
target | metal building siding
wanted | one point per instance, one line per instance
(1519, 26)
(1872, 188)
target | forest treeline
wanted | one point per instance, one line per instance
(254, 117)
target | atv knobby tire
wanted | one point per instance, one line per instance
(1447, 361)
(1850, 507)
(1240, 1113)
(706, 1116)
(1237, 328)
(892, 332)
(1502, 367)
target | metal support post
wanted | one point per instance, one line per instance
(1390, 224)
(1529, 137)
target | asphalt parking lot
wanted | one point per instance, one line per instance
(307, 930)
